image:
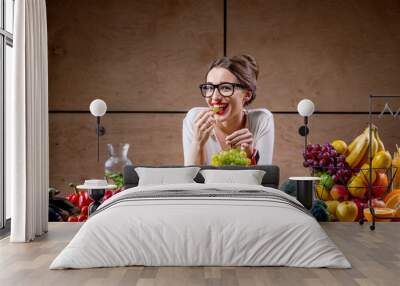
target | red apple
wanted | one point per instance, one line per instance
(339, 193)
(347, 211)
(380, 185)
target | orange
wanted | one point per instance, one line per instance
(380, 214)
(396, 215)
(393, 202)
(392, 193)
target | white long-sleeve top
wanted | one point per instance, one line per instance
(259, 121)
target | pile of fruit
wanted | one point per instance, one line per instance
(345, 176)
(234, 156)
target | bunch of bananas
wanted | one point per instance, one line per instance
(358, 150)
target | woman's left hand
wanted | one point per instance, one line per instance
(243, 139)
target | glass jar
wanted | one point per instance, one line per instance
(115, 164)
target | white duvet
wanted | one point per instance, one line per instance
(188, 231)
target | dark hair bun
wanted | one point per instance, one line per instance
(248, 61)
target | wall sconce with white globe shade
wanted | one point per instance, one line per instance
(305, 108)
(98, 108)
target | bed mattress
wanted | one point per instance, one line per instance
(201, 225)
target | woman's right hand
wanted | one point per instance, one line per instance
(202, 127)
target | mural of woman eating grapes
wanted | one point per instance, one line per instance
(225, 123)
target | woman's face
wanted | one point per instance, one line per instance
(229, 107)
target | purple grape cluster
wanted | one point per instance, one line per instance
(324, 158)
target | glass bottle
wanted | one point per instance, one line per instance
(115, 164)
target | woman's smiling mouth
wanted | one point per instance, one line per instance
(219, 108)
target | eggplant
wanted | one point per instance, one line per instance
(63, 213)
(65, 204)
(54, 215)
(53, 192)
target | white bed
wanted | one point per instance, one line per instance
(264, 229)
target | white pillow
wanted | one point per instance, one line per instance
(163, 176)
(249, 177)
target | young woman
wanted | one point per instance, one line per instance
(225, 123)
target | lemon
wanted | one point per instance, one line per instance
(340, 146)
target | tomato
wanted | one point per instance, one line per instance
(82, 218)
(74, 199)
(72, 219)
(85, 210)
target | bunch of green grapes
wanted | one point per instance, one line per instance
(231, 157)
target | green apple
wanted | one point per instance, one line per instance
(346, 211)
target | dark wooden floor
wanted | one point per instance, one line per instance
(375, 256)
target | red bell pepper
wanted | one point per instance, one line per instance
(84, 199)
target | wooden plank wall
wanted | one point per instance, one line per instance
(148, 57)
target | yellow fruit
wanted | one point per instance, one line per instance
(357, 186)
(359, 149)
(358, 138)
(381, 147)
(346, 211)
(374, 144)
(340, 146)
(364, 173)
(323, 194)
(355, 140)
(332, 205)
(382, 161)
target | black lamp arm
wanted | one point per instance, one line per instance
(303, 131)
(100, 131)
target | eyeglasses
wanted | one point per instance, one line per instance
(225, 89)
